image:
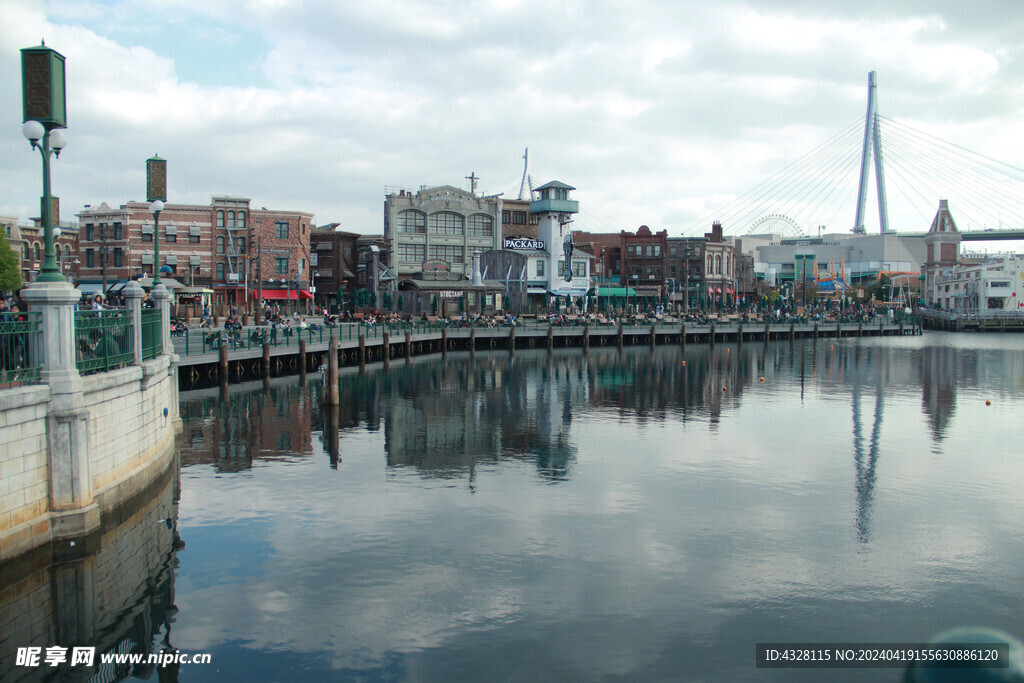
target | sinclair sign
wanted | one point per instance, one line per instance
(522, 243)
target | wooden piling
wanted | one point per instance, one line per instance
(222, 366)
(444, 342)
(712, 338)
(620, 336)
(551, 339)
(408, 344)
(586, 338)
(385, 349)
(654, 335)
(472, 340)
(265, 361)
(739, 333)
(792, 331)
(302, 362)
(331, 393)
(682, 336)
(512, 339)
(362, 351)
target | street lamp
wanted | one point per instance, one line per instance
(48, 142)
(155, 208)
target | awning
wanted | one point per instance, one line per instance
(615, 291)
(282, 294)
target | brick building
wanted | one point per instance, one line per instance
(685, 270)
(28, 242)
(334, 263)
(226, 246)
(643, 260)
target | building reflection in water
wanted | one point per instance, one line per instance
(256, 421)
(114, 592)
(448, 418)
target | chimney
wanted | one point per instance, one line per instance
(477, 278)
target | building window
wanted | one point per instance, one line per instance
(118, 257)
(193, 238)
(220, 219)
(241, 219)
(412, 221)
(480, 226)
(281, 264)
(220, 271)
(26, 252)
(653, 250)
(220, 244)
(718, 264)
(579, 268)
(240, 245)
(446, 223)
(711, 265)
(506, 216)
(448, 252)
(171, 235)
(89, 232)
(412, 253)
(672, 252)
(39, 251)
(281, 230)
(90, 258)
(540, 267)
(519, 218)
(231, 219)
(117, 231)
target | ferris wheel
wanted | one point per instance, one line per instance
(776, 223)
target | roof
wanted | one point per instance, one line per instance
(557, 184)
(430, 285)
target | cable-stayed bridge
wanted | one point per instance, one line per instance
(827, 189)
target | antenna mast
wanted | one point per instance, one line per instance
(526, 165)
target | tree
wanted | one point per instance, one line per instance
(10, 266)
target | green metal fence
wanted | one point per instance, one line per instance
(19, 332)
(152, 344)
(103, 340)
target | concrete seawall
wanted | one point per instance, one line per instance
(55, 486)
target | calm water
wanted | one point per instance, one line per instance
(623, 516)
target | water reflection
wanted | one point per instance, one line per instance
(114, 593)
(646, 515)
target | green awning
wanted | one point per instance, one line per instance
(616, 291)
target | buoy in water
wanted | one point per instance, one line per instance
(684, 362)
(762, 380)
(988, 403)
(724, 389)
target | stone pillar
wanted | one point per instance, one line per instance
(74, 513)
(162, 298)
(133, 294)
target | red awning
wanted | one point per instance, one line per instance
(282, 294)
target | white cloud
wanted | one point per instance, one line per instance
(652, 110)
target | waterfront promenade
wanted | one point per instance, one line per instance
(206, 356)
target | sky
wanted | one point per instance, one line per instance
(659, 112)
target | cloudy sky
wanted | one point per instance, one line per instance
(660, 112)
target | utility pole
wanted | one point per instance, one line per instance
(259, 278)
(103, 257)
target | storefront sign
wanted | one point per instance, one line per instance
(522, 243)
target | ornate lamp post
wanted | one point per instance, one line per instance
(45, 115)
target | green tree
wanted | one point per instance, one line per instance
(10, 266)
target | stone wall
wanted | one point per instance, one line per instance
(24, 471)
(130, 443)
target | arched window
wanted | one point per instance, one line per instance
(240, 244)
(711, 265)
(220, 219)
(241, 219)
(718, 264)
(220, 271)
(480, 225)
(446, 223)
(26, 251)
(38, 251)
(412, 221)
(231, 219)
(220, 244)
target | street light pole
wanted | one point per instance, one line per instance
(48, 142)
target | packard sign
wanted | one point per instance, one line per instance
(522, 243)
